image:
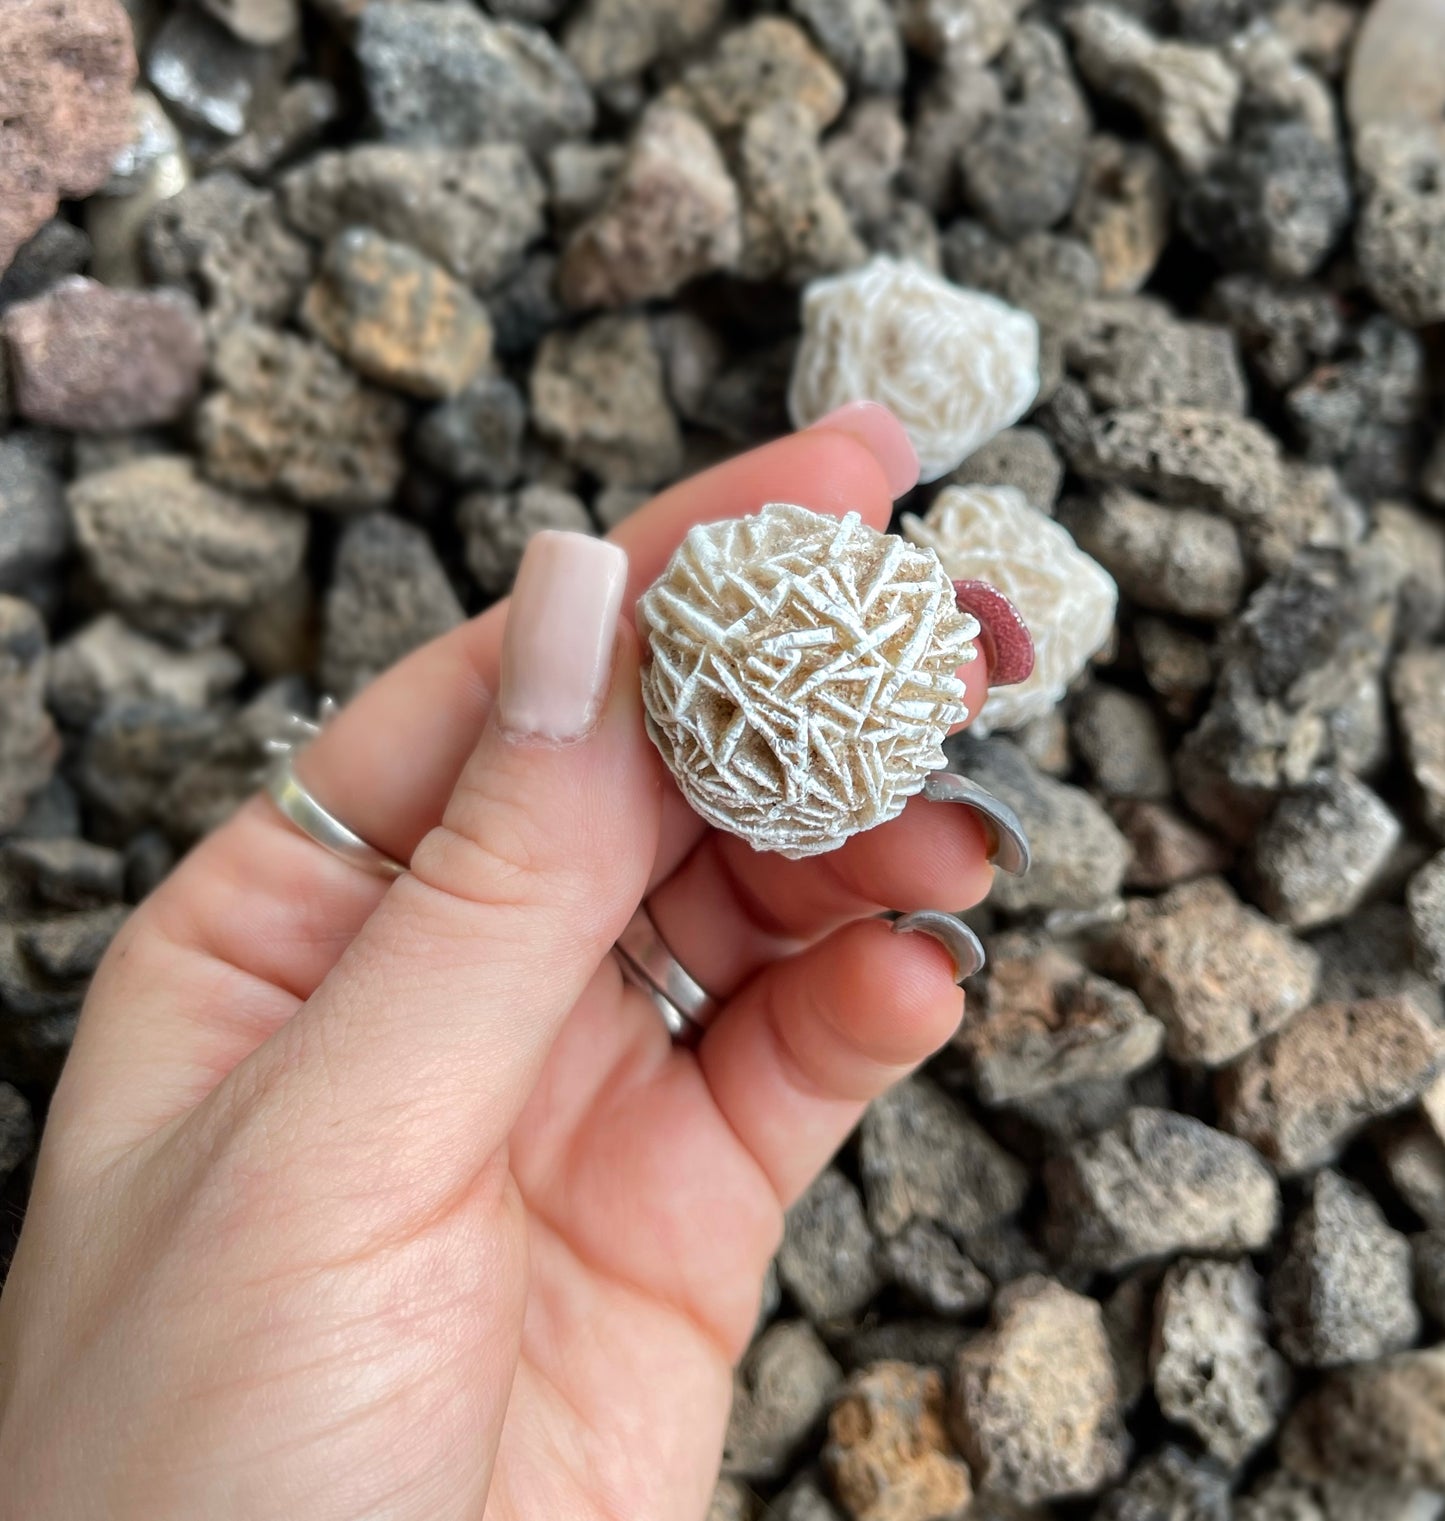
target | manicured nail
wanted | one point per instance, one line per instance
(560, 634)
(1008, 844)
(1004, 638)
(884, 437)
(952, 934)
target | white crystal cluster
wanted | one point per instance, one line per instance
(1067, 599)
(803, 674)
(954, 366)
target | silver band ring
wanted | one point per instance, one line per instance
(316, 822)
(685, 1005)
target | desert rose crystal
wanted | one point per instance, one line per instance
(803, 673)
(954, 366)
(1065, 599)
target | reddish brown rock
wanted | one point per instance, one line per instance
(66, 71)
(98, 360)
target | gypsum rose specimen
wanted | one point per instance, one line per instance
(1066, 598)
(954, 366)
(803, 674)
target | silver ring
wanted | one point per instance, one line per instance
(318, 823)
(685, 1005)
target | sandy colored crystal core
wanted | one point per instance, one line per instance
(803, 674)
(954, 366)
(1065, 598)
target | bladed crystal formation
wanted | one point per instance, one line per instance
(803, 674)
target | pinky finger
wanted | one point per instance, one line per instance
(800, 1052)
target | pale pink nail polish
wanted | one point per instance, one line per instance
(885, 438)
(561, 630)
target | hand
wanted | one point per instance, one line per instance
(368, 1201)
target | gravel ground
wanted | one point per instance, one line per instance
(311, 322)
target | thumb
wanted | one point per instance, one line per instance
(446, 1004)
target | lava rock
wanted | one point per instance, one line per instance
(860, 38)
(1428, 1252)
(291, 418)
(1119, 738)
(1341, 1294)
(100, 360)
(732, 1501)
(672, 214)
(34, 528)
(826, 1261)
(1425, 900)
(930, 1268)
(1039, 1020)
(1415, 546)
(208, 77)
(888, 1454)
(397, 317)
(1035, 1407)
(159, 538)
(780, 1391)
(388, 595)
(1417, 685)
(64, 872)
(1079, 857)
(29, 745)
(763, 63)
(1173, 559)
(446, 75)
(1157, 1184)
(17, 1130)
(613, 41)
(1216, 973)
(497, 526)
(1020, 457)
(57, 250)
(1213, 1368)
(1283, 330)
(1400, 233)
(1305, 1090)
(598, 392)
(1122, 210)
(1321, 850)
(1170, 1486)
(1168, 848)
(923, 1157)
(474, 210)
(1383, 1421)
(65, 102)
(475, 438)
(1134, 353)
(69, 948)
(225, 241)
(1368, 955)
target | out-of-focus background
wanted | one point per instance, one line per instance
(311, 323)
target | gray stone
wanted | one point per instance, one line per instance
(780, 1392)
(1022, 457)
(1304, 1091)
(1173, 559)
(262, 22)
(1035, 1407)
(165, 544)
(17, 1130)
(1216, 973)
(732, 1501)
(1417, 685)
(803, 1500)
(1123, 211)
(57, 249)
(69, 948)
(930, 1343)
(923, 1157)
(388, 595)
(1341, 1294)
(672, 214)
(224, 240)
(290, 417)
(446, 75)
(826, 1261)
(1400, 233)
(863, 155)
(1079, 857)
(397, 317)
(971, 30)
(1413, 1157)
(598, 392)
(496, 527)
(1120, 740)
(1368, 955)
(66, 873)
(1132, 352)
(1415, 545)
(613, 41)
(1425, 900)
(1129, 1325)
(1179, 667)
(1428, 1255)
(296, 121)
(475, 438)
(1038, 1021)
(29, 745)
(1168, 848)
(860, 38)
(1154, 1185)
(1213, 1368)
(927, 1264)
(1382, 1421)
(1170, 1486)
(34, 529)
(1283, 330)
(755, 67)
(208, 76)
(1321, 850)
(475, 210)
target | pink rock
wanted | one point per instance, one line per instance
(66, 71)
(99, 360)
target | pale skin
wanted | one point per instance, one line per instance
(359, 1201)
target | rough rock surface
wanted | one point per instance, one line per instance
(780, 1392)
(826, 1261)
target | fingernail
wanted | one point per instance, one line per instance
(880, 432)
(1008, 844)
(560, 634)
(952, 934)
(1004, 638)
